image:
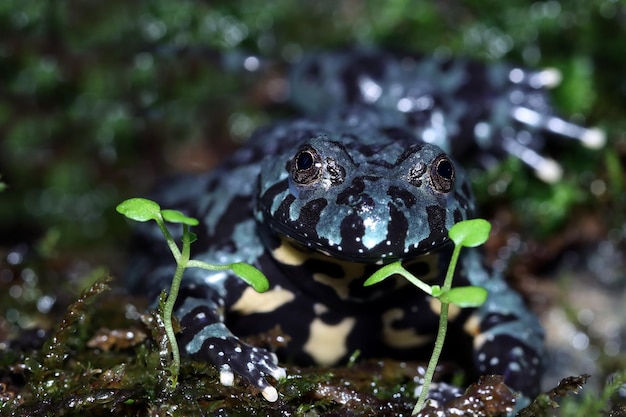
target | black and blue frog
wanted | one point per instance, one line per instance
(368, 177)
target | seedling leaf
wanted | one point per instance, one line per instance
(139, 209)
(251, 275)
(470, 233)
(175, 216)
(190, 237)
(465, 297)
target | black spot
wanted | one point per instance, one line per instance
(408, 152)
(401, 197)
(396, 231)
(310, 213)
(436, 218)
(492, 320)
(352, 227)
(350, 193)
(267, 198)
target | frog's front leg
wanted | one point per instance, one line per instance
(205, 337)
(508, 339)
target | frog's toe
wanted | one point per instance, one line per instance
(227, 377)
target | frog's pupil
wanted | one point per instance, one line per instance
(445, 169)
(304, 161)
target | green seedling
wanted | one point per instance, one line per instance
(468, 233)
(143, 210)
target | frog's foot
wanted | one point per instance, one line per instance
(529, 106)
(440, 393)
(231, 356)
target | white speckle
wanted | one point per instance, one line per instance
(238, 349)
(549, 78)
(388, 243)
(514, 366)
(251, 63)
(494, 361)
(482, 130)
(481, 357)
(211, 346)
(580, 341)
(220, 353)
(516, 75)
(405, 105)
(371, 90)
(200, 316)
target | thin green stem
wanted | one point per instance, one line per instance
(447, 283)
(441, 333)
(432, 364)
(181, 264)
(415, 281)
(211, 267)
(169, 239)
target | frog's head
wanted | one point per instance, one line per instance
(364, 200)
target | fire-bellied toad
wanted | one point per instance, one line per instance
(320, 202)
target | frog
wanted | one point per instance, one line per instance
(366, 175)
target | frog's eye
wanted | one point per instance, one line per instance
(306, 166)
(442, 174)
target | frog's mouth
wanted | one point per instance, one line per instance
(378, 238)
(298, 248)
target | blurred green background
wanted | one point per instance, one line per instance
(93, 106)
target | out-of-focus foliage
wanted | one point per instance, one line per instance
(94, 99)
